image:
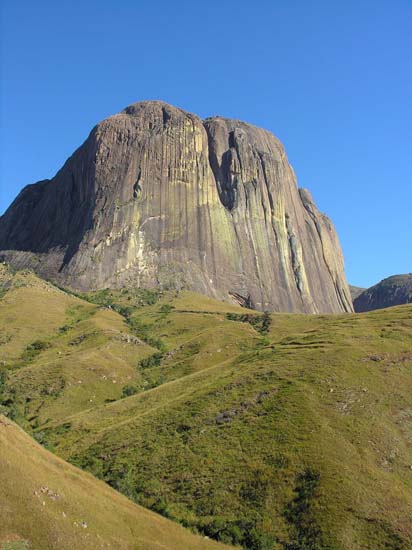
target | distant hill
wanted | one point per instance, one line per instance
(277, 431)
(393, 291)
(355, 291)
(48, 504)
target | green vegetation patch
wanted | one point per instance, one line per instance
(261, 323)
(15, 545)
(34, 349)
(264, 431)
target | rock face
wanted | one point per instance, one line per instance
(156, 196)
(355, 291)
(393, 291)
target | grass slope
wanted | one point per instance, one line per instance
(62, 354)
(271, 432)
(46, 503)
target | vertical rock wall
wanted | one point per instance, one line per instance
(156, 196)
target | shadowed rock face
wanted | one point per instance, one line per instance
(156, 196)
(355, 291)
(393, 291)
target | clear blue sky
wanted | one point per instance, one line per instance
(332, 80)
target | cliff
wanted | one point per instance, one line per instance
(157, 197)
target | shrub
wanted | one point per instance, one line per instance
(265, 323)
(151, 361)
(261, 323)
(38, 345)
(3, 378)
(125, 311)
(129, 390)
(299, 513)
(34, 349)
(142, 331)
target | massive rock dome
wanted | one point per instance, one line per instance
(157, 197)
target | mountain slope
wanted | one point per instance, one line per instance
(393, 291)
(46, 503)
(304, 439)
(157, 197)
(268, 431)
(62, 354)
(355, 291)
(65, 354)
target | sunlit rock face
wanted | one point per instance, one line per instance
(157, 197)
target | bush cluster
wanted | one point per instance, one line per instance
(151, 361)
(261, 323)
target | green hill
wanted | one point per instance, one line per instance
(64, 354)
(265, 431)
(46, 503)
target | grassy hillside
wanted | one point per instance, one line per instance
(46, 503)
(62, 354)
(283, 431)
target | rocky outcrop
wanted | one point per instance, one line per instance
(156, 196)
(393, 291)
